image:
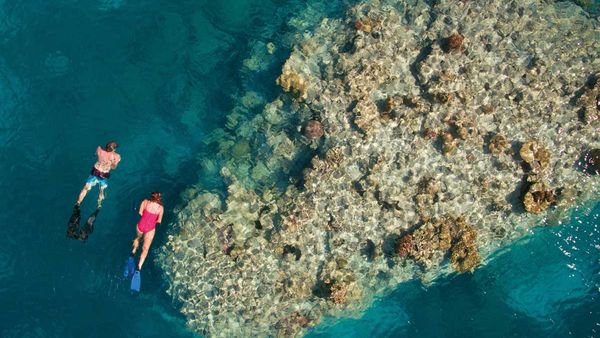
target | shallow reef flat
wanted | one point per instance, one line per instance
(412, 140)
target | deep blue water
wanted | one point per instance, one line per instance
(158, 76)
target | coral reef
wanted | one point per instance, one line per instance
(443, 118)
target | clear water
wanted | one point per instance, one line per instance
(158, 76)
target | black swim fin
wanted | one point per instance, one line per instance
(88, 227)
(73, 227)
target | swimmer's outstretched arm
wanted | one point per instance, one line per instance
(160, 215)
(142, 207)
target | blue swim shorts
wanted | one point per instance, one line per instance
(93, 180)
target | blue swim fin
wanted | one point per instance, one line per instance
(136, 281)
(129, 267)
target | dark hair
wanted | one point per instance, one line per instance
(156, 196)
(111, 146)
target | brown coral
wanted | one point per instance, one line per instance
(535, 155)
(366, 115)
(498, 144)
(452, 43)
(429, 186)
(464, 255)
(443, 97)
(404, 246)
(290, 326)
(429, 244)
(294, 83)
(448, 142)
(359, 25)
(538, 198)
(389, 104)
(429, 133)
(426, 197)
(334, 156)
(313, 129)
(339, 293)
(444, 236)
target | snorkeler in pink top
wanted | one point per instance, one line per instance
(151, 211)
(108, 159)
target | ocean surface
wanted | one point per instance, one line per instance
(158, 77)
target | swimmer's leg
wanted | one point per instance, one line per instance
(87, 187)
(148, 237)
(101, 195)
(136, 241)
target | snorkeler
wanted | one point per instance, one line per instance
(151, 211)
(108, 159)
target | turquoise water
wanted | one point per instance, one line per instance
(158, 77)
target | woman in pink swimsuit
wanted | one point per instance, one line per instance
(151, 211)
